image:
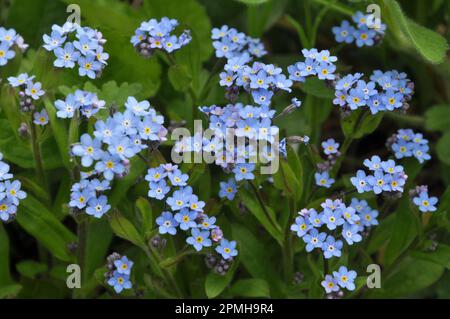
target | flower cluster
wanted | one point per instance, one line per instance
(233, 45)
(317, 63)
(168, 182)
(86, 103)
(257, 139)
(86, 49)
(119, 271)
(369, 30)
(106, 155)
(10, 193)
(29, 91)
(260, 80)
(422, 200)
(387, 176)
(385, 91)
(8, 39)
(157, 35)
(352, 219)
(406, 143)
(343, 278)
(331, 150)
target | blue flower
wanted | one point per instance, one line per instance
(155, 174)
(330, 284)
(379, 182)
(109, 165)
(5, 53)
(34, 90)
(365, 36)
(67, 108)
(86, 45)
(350, 234)
(122, 148)
(55, 40)
(4, 171)
(123, 265)
(186, 218)
(228, 189)
(325, 71)
(7, 209)
(314, 239)
(13, 191)
(80, 198)
(119, 282)
(158, 190)
(88, 66)
(97, 207)
(199, 239)
(180, 199)
(360, 182)
(332, 218)
(332, 247)
(345, 278)
(323, 179)
(207, 223)
(344, 33)
(177, 178)
(167, 223)
(315, 218)
(244, 171)
(425, 203)
(22, 79)
(88, 149)
(227, 249)
(40, 118)
(374, 163)
(66, 57)
(330, 146)
(301, 226)
(350, 215)
(369, 217)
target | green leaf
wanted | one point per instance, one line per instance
(440, 256)
(269, 223)
(215, 284)
(10, 291)
(429, 44)
(262, 14)
(250, 288)
(442, 149)
(286, 180)
(123, 228)
(117, 22)
(317, 88)
(5, 275)
(438, 118)
(31, 268)
(179, 77)
(253, 255)
(409, 277)
(60, 132)
(99, 236)
(145, 210)
(406, 229)
(359, 123)
(252, 2)
(121, 187)
(37, 220)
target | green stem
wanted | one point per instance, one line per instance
(37, 156)
(336, 7)
(288, 257)
(261, 203)
(168, 277)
